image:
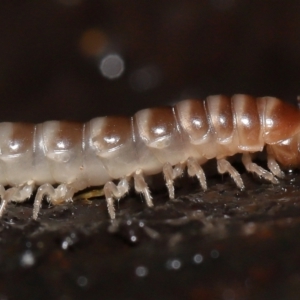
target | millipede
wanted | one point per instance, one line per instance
(60, 158)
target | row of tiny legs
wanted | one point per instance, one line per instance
(64, 192)
(115, 192)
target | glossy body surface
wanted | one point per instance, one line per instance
(76, 156)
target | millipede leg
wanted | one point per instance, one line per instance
(23, 192)
(170, 174)
(12, 194)
(224, 166)
(63, 193)
(112, 192)
(274, 167)
(4, 201)
(141, 187)
(194, 169)
(254, 168)
(43, 190)
(16, 194)
(56, 196)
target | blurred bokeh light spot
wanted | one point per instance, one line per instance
(145, 78)
(93, 42)
(141, 271)
(112, 66)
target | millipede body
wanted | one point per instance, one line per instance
(74, 156)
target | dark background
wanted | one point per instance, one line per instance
(221, 244)
(51, 51)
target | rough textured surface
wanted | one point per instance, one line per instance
(221, 244)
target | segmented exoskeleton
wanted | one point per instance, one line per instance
(167, 139)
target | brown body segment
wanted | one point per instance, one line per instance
(21, 139)
(248, 124)
(156, 126)
(220, 115)
(111, 134)
(280, 120)
(162, 134)
(193, 119)
(113, 143)
(67, 136)
(280, 123)
(17, 147)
